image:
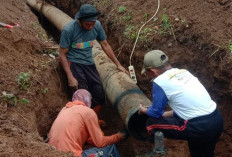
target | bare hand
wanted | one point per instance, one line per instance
(73, 83)
(121, 68)
(142, 110)
(122, 135)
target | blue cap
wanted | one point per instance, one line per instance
(87, 12)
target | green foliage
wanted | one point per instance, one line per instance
(147, 30)
(45, 90)
(130, 32)
(165, 23)
(145, 36)
(23, 80)
(10, 98)
(24, 101)
(162, 32)
(122, 9)
(127, 18)
(133, 36)
(155, 30)
(127, 14)
(145, 33)
(230, 47)
(104, 2)
(145, 16)
(166, 27)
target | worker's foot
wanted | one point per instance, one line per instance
(102, 124)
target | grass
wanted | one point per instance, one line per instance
(122, 9)
(145, 33)
(23, 80)
(230, 47)
(145, 16)
(127, 14)
(130, 32)
(166, 25)
(127, 18)
(44, 91)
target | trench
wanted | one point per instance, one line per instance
(216, 82)
(109, 112)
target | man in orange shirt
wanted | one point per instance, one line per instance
(77, 124)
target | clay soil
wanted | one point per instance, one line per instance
(197, 38)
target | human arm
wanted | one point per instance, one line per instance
(96, 137)
(159, 102)
(168, 114)
(72, 82)
(65, 43)
(142, 110)
(109, 52)
(120, 134)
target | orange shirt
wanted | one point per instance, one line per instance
(75, 125)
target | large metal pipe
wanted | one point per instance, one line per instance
(57, 17)
(123, 93)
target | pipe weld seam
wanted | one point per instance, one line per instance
(130, 91)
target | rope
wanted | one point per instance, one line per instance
(141, 29)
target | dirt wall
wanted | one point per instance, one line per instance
(202, 30)
(199, 42)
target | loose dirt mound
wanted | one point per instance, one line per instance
(22, 126)
(203, 33)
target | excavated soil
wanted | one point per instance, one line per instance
(197, 38)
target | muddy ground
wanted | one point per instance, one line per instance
(195, 34)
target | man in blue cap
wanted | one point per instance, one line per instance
(76, 44)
